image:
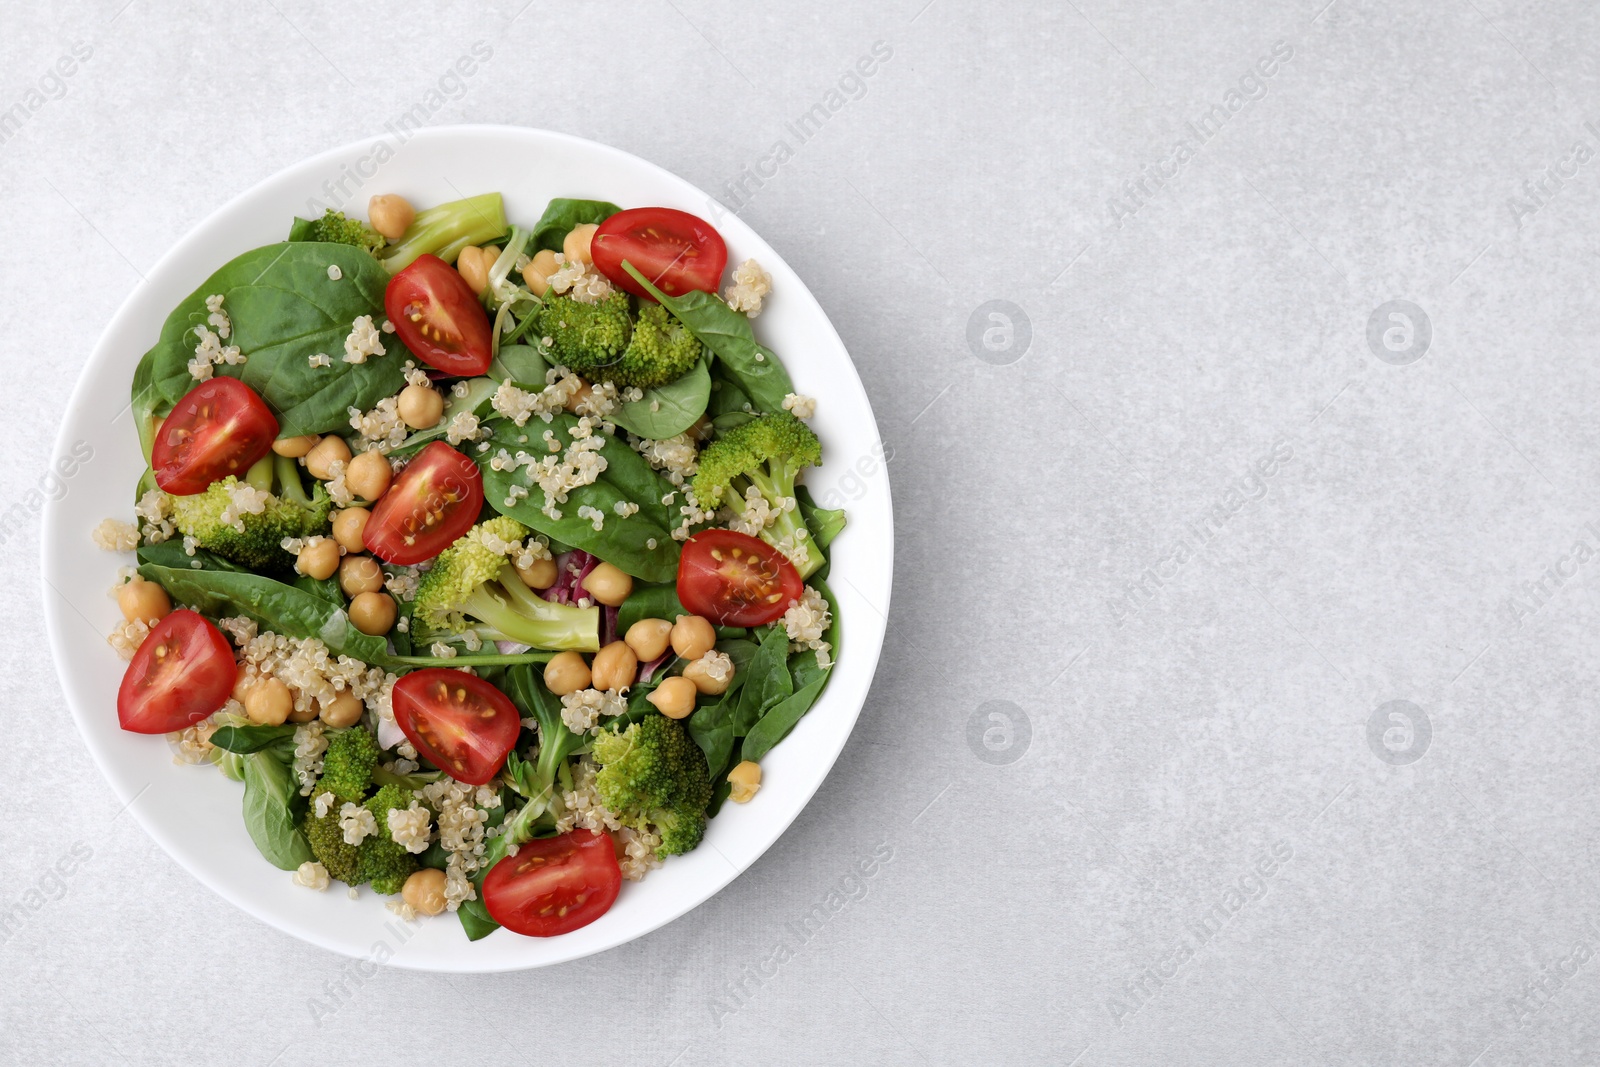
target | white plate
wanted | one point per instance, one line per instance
(194, 812)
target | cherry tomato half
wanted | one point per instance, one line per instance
(182, 673)
(554, 885)
(220, 427)
(436, 314)
(734, 579)
(432, 502)
(677, 251)
(461, 724)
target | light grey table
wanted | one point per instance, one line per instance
(1238, 705)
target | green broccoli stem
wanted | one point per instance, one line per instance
(286, 472)
(260, 473)
(445, 230)
(513, 611)
(777, 486)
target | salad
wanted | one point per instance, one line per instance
(475, 551)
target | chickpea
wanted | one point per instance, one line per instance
(608, 584)
(303, 716)
(693, 636)
(421, 407)
(373, 613)
(343, 710)
(649, 638)
(319, 559)
(424, 891)
(537, 273)
(566, 673)
(614, 666)
(703, 680)
(368, 475)
(391, 215)
(745, 779)
(140, 599)
(674, 697)
(269, 702)
(473, 264)
(360, 574)
(540, 574)
(576, 246)
(295, 447)
(349, 526)
(321, 458)
(578, 397)
(242, 686)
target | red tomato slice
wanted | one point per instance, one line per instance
(734, 579)
(182, 673)
(677, 251)
(460, 723)
(432, 502)
(554, 885)
(436, 314)
(220, 427)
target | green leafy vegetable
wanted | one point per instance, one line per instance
(270, 816)
(284, 308)
(727, 332)
(522, 364)
(247, 739)
(649, 602)
(627, 478)
(563, 214)
(809, 680)
(667, 410)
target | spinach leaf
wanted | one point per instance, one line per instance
(562, 215)
(146, 400)
(824, 523)
(711, 727)
(327, 588)
(270, 802)
(171, 554)
(809, 681)
(475, 919)
(767, 680)
(667, 410)
(760, 680)
(274, 606)
(247, 739)
(727, 333)
(524, 364)
(284, 308)
(649, 602)
(625, 542)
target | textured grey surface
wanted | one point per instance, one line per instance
(1191, 836)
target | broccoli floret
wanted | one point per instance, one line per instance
(662, 350)
(589, 339)
(653, 775)
(326, 838)
(469, 579)
(347, 764)
(214, 520)
(445, 230)
(382, 862)
(334, 228)
(766, 454)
